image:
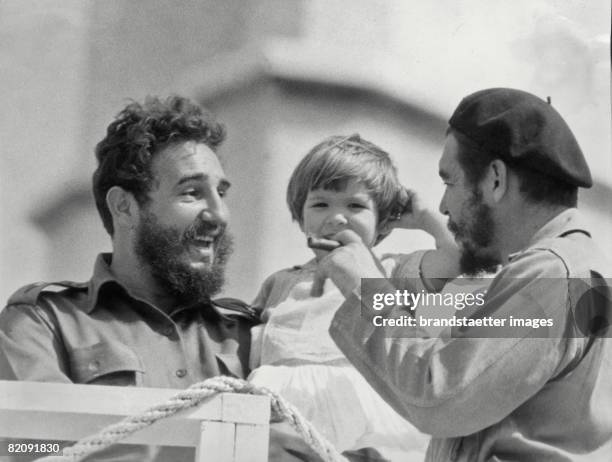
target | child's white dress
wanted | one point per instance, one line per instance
(298, 359)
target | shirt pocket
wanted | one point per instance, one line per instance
(106, 363)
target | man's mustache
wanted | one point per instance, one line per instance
(201, 228)
(453, 228)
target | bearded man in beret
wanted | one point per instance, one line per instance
(512, 169)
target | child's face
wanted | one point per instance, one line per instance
(328, 212)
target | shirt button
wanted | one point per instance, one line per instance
(94, 366)
(180, 373)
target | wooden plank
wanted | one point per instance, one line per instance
(234, 410)
(252, 443)
(95, 399)
(173, 431)
(216, 442)
(70, 412)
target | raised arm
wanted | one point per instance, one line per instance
(439, 264)
(457, 386)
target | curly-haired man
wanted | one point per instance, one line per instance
(146, 317)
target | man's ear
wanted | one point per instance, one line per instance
(496, 182)
(123, 207)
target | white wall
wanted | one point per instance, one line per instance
(67, 66)
(43, 59)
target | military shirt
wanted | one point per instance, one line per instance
(98, 333)
(522, 396)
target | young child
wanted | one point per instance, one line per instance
(342, 183)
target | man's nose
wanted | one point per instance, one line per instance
(216, 212)
(442, 207)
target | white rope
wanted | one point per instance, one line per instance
(191, 397)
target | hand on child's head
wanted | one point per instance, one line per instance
(411, 215)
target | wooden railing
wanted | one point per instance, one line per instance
(226, 427)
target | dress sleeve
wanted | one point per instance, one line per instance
(458, 385)
(261, 303)
(261, 300)
(30, 345)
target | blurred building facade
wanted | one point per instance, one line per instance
(282, 75)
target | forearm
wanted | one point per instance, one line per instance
(441, 264)
(434, 224)
(438, 267)
(445, 386)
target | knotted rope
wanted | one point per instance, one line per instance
(191, 397)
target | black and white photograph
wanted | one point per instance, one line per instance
(306, 231)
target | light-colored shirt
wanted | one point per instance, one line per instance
(520, 395)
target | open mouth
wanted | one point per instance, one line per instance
(202, 248)
(204, 242)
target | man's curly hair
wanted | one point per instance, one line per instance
(125, 155)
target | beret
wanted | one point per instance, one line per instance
(523, 130)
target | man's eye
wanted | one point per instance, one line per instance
(222, 192)
(356, 205)
(318, 204)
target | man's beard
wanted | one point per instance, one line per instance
(165, 250)
(476, 233)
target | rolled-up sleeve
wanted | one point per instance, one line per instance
(30, 347)
(457, 385)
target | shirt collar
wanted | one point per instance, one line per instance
(568, 220)
(103, 275)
